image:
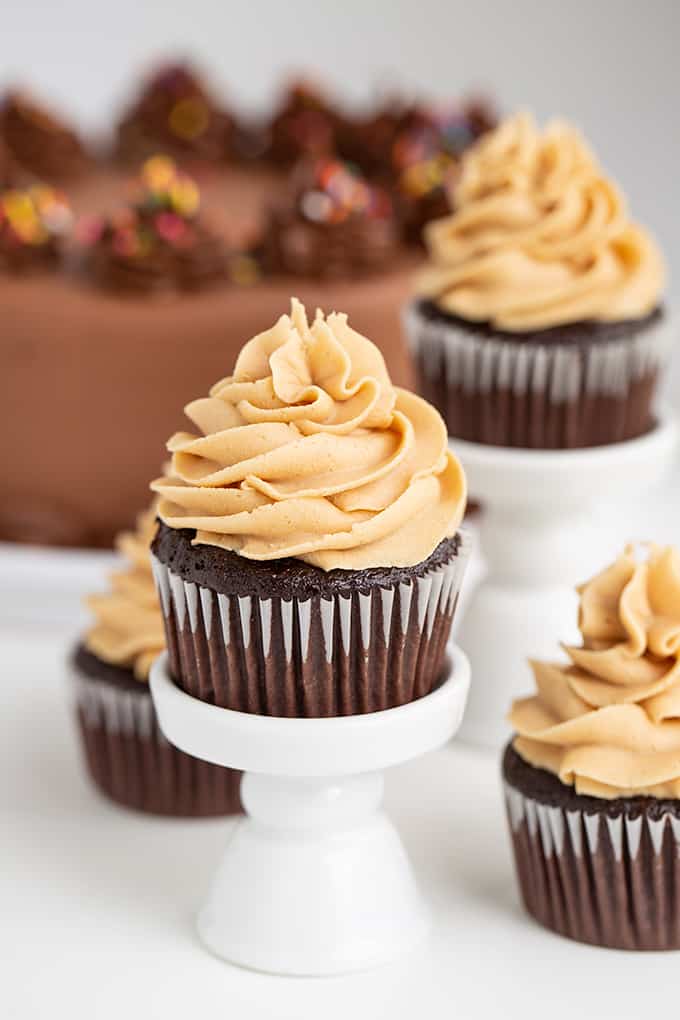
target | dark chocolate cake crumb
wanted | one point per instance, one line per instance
(546, 788)
(94, 668)
(230, 574)
(578, 333)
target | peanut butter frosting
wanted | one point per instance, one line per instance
(309, 451)
(128, 628)
(609, 722)
(540, 237)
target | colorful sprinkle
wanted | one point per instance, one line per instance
(34, 216)
(189, 118)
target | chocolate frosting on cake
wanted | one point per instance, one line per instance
(176, 113)
(160, 243)
(38, 141)
(332, 223)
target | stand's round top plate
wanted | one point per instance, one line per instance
(592, 473)
(343, 745)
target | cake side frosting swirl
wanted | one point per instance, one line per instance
(539, 237)
(128, 628)
(307, 450)
(609, 722)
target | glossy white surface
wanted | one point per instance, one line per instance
(98, 903)
(548, 521)
(314, 880)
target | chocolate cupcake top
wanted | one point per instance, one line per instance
(332, 223)
(609, 722)
(540, 237)
(39, 142)
(157, 244)
(32, 223)
(128, 627)
(175, 113)
(308, 451)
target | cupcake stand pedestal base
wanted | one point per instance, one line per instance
(314, 879)
(540, 536)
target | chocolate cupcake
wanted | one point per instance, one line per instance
(128, 757)
(33, 223)
(159, 243)
(592, 778)
(539, 320)
(308, 560)
(331, 223)
(41, 144)
(175, 113)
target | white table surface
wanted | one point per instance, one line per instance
(97, 903)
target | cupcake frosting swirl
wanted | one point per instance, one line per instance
(540, 237)
(128, 627)
(308, 451)
(609, 722)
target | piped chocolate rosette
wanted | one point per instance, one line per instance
(127, 756)
(309, 561)
(175, 113)
(425, 161)
(43, 146)
(539, 322)
(331, 224)
(33, 223)
(157, 244)
(593, 773)
(10, 172)
(304, 126)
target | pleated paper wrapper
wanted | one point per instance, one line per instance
(609, 880)
(322, 656)
(540, 396)
(130, 760)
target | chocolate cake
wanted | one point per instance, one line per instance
(131, 322)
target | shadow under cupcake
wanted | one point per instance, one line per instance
(308, 560)
(128, 757)
(592, 777)
(539, 320)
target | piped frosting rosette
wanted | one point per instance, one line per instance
(540, 237)
(307, 450)
(309, 561)
(128, 627)
(539, 306)
(609, 722)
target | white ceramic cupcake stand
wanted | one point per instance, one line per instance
(543, 529)
(314, 880)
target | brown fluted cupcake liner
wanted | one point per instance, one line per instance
(326, 655)
(536, 395)
(607, 878)
(131, 762)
